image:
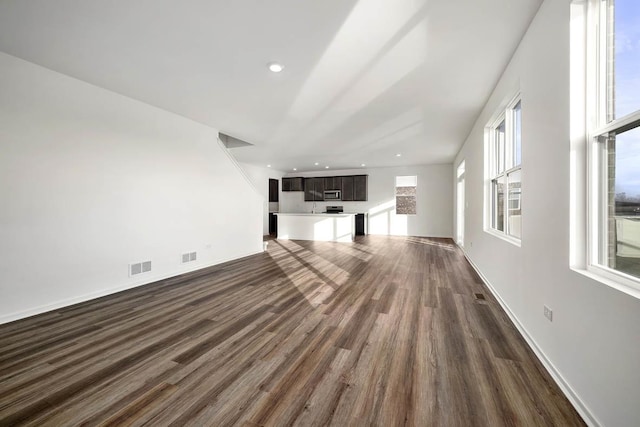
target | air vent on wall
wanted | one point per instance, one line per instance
(139, 268)
(189, 257)
(146, 266)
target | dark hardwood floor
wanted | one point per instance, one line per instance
(386, 331)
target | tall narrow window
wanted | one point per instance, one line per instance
(614, 214)
(406, 195)
(505, 171)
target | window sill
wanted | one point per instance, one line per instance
(505, 237)
(620, 284)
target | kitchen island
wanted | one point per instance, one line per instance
(333, 227)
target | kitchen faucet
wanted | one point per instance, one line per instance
(313, 209)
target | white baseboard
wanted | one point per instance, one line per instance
(98, 294)
(575, 400)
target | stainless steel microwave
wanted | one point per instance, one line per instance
(332, 195)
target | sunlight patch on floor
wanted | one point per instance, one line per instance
(297, 263)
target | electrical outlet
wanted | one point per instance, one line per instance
(548, 313)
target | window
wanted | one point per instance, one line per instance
(614, 152)
(406, 195)
(505, 171)
(460, 205)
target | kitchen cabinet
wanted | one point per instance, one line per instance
(273, 190)
(292, 184)
(360, 188)
(273, 225)
(318, 184)
(360, 224)
(347, 188)
(332, 183)
(308, 189)
(296, 184)
(314, 189)
(353, 188)
(338, 227)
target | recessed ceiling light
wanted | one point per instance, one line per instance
(268, 166)
(275, 67)
(295, 169)
(316, 163)
(363, 165)
(326, 167)
(398, 155)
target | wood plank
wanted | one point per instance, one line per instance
(382, 331)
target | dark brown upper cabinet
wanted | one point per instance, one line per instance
(347, 188)
(286, 184)
(297, 184)
(318, 189)
(353, 188)
(292, 184)
(308, 189)
(360, 188)
(314, 189)
(332, 183)
(273, 190)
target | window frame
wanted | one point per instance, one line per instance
(460, 201)
(497, 158)
(601, 126)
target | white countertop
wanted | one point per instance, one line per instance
(314, 214)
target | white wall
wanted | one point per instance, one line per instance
(259, 177)
(91, 181)
(434, 200)
(593, 342)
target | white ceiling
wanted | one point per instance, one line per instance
(363, 79)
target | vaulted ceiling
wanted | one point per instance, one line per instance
(364, 80)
